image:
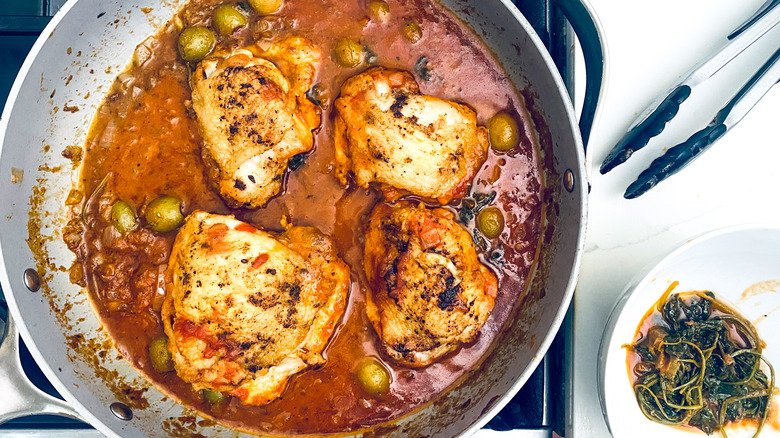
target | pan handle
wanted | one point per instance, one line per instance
(20, 397)
(589, 32)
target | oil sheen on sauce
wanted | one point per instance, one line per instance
(145, 139)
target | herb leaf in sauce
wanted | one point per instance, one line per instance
(471, 205)
(421, 69)
(370, 56)
(469, 208)
(296, 161)
(317, 96)
(701, 368)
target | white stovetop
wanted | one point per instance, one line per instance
(650, 44)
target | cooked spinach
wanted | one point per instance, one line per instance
(701, 368)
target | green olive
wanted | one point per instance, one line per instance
(266, 7)
(504, 133)
(162, 361)
(195, 43)
(227, 19)
(490, 222)
(373, 376)
(379, 10)
(348, 52)
(164, 214)
(123, 216)
(412, 31)
(213, 397)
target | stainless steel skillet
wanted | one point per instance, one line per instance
(50, 107)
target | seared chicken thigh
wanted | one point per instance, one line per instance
(246, 309)
(387, 132)
(428, 291)
(254, 116)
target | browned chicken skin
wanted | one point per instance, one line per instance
(428, 291)
(246, 309)
(254, 116)
(389, 133)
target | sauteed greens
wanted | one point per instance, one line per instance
(698, 364)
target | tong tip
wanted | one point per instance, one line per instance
(615, 158)
(638, 188)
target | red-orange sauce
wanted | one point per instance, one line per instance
(145, 138)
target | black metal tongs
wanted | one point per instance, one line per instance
(654, 119)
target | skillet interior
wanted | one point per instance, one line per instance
(67, 76)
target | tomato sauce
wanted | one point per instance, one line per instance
(144, 141)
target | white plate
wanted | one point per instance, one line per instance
(741, 264)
